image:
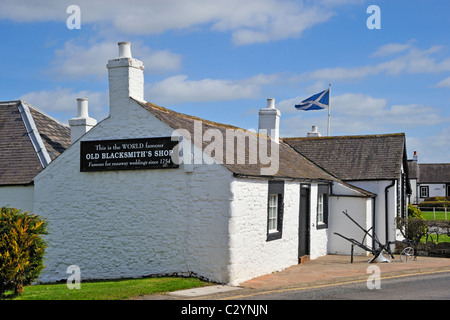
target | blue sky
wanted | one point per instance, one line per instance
(221, 59)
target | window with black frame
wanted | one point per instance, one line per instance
(424, 191)
(322, 206)
(275, 208)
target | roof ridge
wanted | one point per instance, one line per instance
(33, 134)
(437, 163)
(348, 136)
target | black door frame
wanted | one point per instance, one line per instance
(304, 221)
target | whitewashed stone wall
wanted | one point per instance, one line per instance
(251, 254)
(134, 223)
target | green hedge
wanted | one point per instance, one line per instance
(429, 205)
(437, 199)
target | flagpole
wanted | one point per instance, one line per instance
(329, 106)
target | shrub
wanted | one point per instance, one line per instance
(429, 205)
(413, 228)
(437, 199)
(21, 249)
(414, 212)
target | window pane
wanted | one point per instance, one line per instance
(320, 208)
(273, 212)
(423, 192)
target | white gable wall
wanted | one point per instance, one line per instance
(136, 222)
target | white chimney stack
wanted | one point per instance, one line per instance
(269, 121)
(126, 79)
(314, 132)
(82, 123)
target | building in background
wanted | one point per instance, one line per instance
(29, 141)
(428, 179)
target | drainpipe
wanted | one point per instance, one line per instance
(386, 208)
(374, 220)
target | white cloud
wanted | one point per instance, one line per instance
(178, 89)
(250, 21)
(351, 104)
(430, 149)
(377, 113)
(444, 83)
(273, 21)
(77, 61)
(355, 113)
(62, 102)
(413, 61)
(392, 48)
(29, 11)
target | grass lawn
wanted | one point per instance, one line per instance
(430, 216)
(109, 290)
(433, 237)
(440, 215)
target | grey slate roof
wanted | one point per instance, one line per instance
(434, 172)
(19, 159)
(368, 157)
(291, 164)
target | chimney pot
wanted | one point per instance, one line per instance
(271, 103)
(82, 123)
(82, 108)
(124, 49)
(314, 132)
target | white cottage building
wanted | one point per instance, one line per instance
(428, 179)
(151, 191)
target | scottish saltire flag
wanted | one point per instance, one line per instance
(316, 102)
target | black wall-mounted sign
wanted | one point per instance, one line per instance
(127, 154)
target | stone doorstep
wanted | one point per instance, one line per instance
(304, 259)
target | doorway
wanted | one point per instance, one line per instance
(304, 219)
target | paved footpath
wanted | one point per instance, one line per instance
(324, 271)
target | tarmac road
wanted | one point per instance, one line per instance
(330, 270)
(433, 286)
